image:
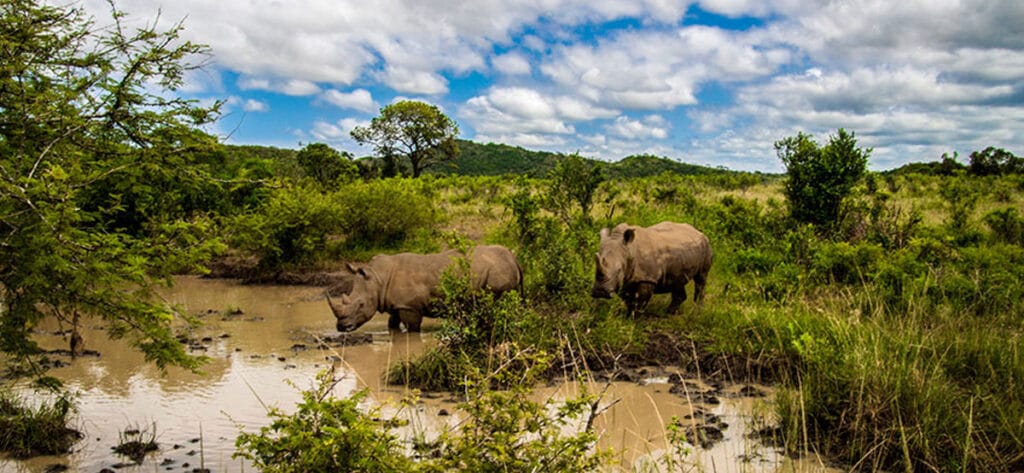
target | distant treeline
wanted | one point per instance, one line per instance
(494, 159)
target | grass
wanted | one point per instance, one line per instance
(911, 361)
(28, 430)
(135, 442)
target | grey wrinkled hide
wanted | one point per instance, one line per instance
(405, 285)
(637, 262)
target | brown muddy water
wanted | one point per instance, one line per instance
(261, 341)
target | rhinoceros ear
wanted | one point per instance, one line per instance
(628, 236)
(604, 233)
(351, 269)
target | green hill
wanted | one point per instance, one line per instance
(644, 165)
(493, 159)
(490, 159)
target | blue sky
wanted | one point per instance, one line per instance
(712, 82)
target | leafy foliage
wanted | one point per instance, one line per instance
(81, 108)
(505, 431)
(820, 177)
(994, 161)
(291, 228)
(324, 434)
(509, 432)
(381, 213)
(574, 184)
(327, 166)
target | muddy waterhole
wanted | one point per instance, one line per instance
(262, 345)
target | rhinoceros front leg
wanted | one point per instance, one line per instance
(411, 319)
(637, 302)
(394, 321)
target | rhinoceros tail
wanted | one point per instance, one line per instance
(519, 288)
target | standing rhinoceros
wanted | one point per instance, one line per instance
(638, 262)
(404, 285)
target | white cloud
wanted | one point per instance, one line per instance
(652, 127)
(359, 99)
(253, 105)
(651, 70)
(528, 116)
(512, 64)
(247, 105)
(294, 87)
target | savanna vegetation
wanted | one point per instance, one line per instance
(886, 307)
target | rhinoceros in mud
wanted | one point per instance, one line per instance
(406, 284)
(637, 262)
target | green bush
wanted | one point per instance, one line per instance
(326, 166)
(1007, 225)
(509, 432)
(478, 331)
(324, 434)
(819, 178)
(384, 212)
(291, 228)
(505, 431)
(846, 263)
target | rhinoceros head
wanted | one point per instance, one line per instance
(354, 309)
(611, 264)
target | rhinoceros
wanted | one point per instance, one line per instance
(405, 285)
(637, 262)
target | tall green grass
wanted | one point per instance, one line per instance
(28, 429)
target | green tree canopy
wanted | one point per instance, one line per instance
(574, 183)
(994, 161)
(82, 106)
(411, 130)
(327, 166)
(821, 177)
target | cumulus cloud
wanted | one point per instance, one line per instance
(651, 70)
(512, 64)
(528, 116)
(337, 134)
(293, 87)
(359, 99)
(253, 105)
(247, 105)
(653, 126)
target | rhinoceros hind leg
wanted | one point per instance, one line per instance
(699, 280)
(678, 297)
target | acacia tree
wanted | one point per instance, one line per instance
(820, 177)
(414, 131)
(80, 106)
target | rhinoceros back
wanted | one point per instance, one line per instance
(667, 252)
(495, 268)
(412, 280)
